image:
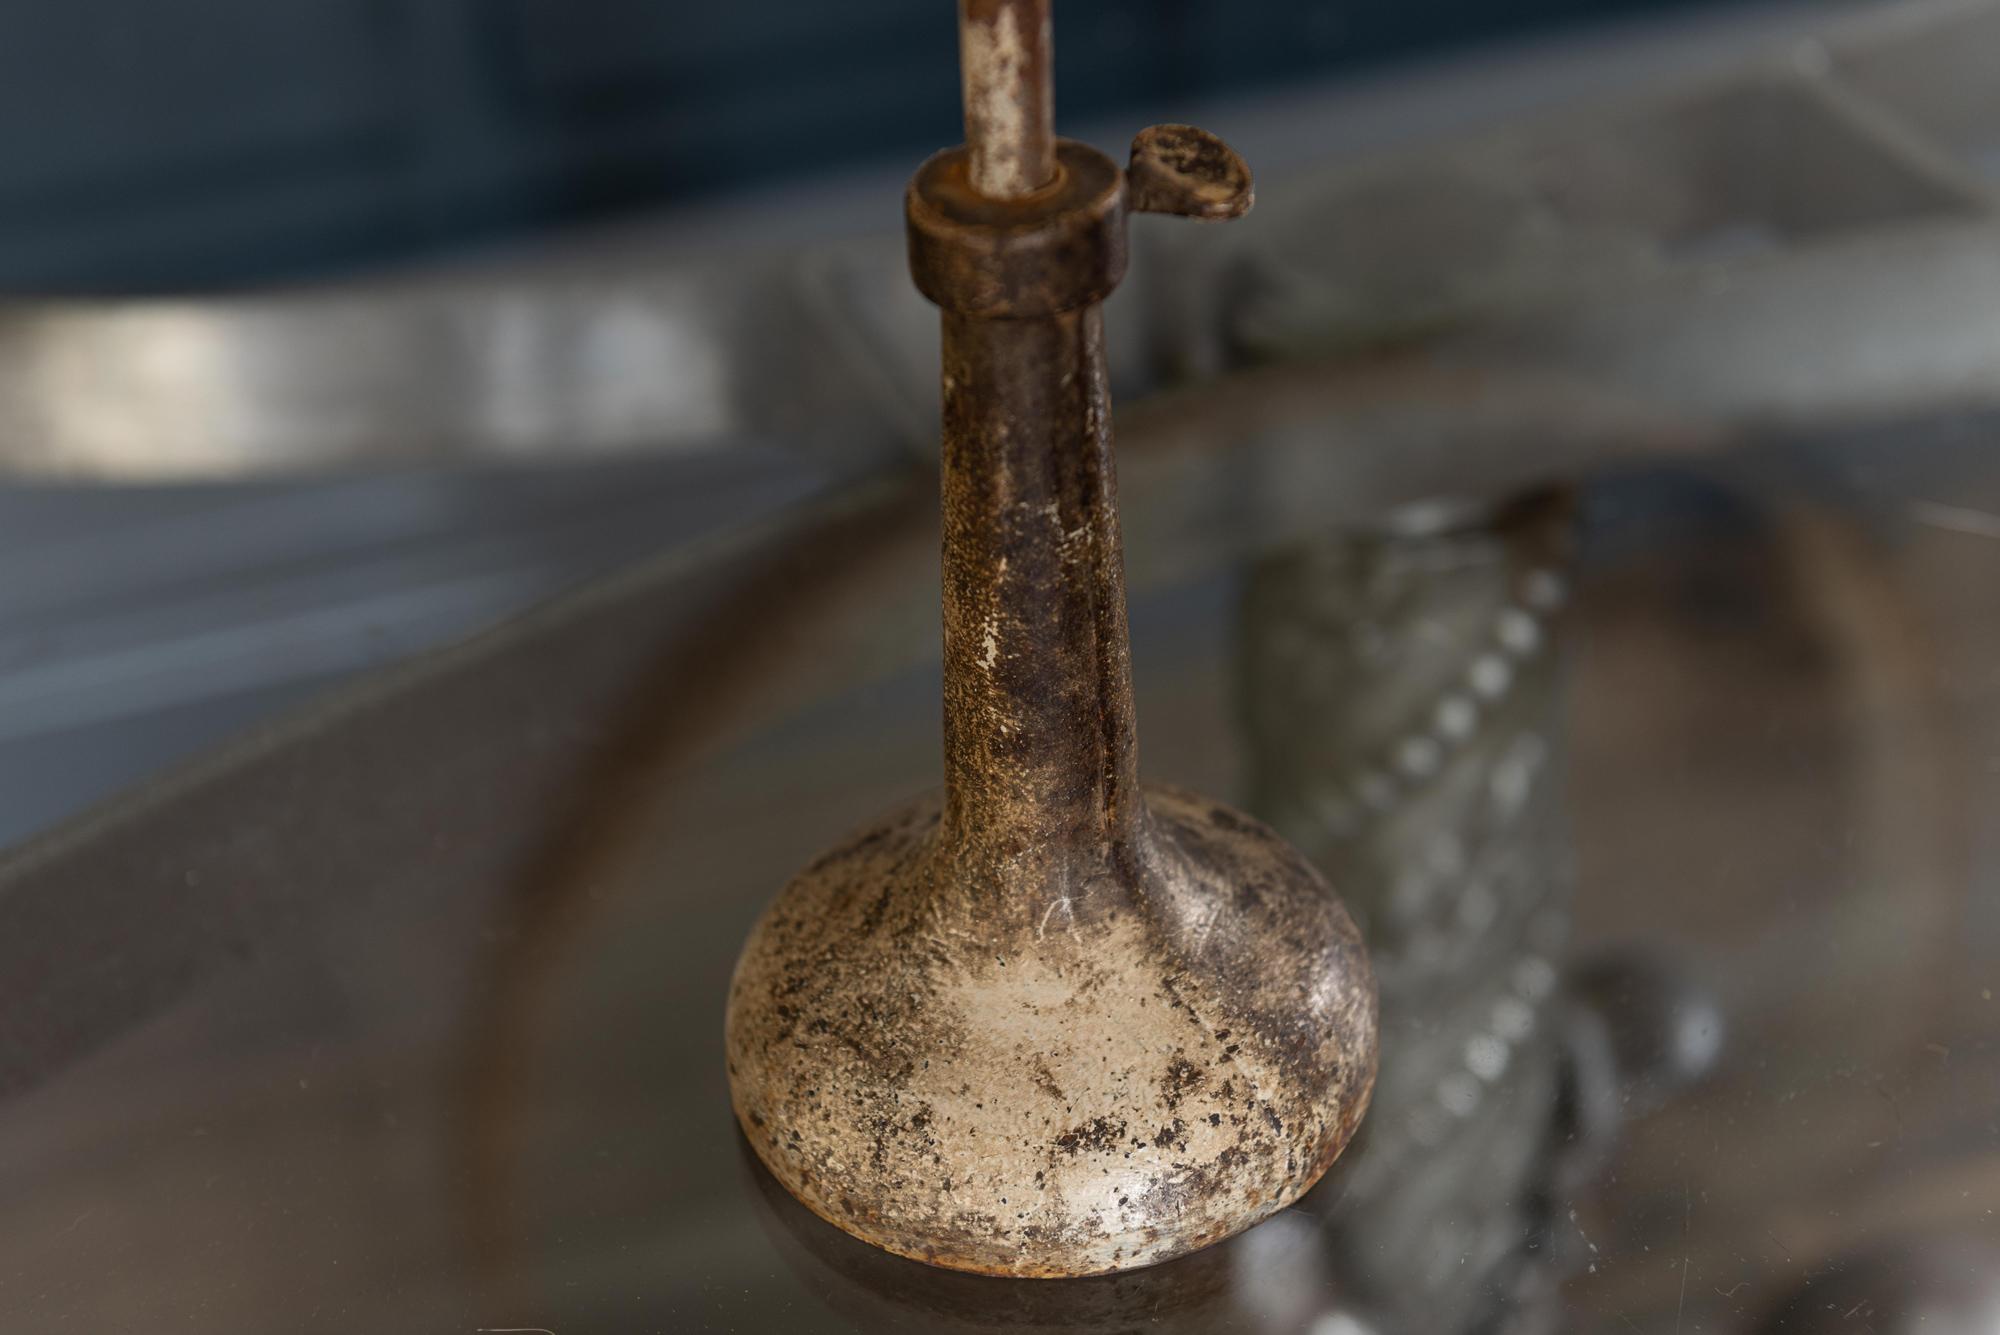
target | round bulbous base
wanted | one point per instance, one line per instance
(1072, 1062)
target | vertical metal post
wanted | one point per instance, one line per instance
(948, 1035)
(1004, 61)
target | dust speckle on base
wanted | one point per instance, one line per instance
(1178, 1053)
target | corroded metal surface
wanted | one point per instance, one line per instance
(1185, 170)
(994, 258)
(996, 1075)
(1048, 1023)
(1003, 48)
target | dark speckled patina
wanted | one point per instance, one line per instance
(999, 1077)
(1047, 1023)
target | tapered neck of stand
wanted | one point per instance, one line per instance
(1041, 768)
(1041, 760)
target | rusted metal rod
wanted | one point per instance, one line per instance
(1004, 62)
(1047, 1023)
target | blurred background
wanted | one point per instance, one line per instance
(467, 536)
(222, 142)
(333, 269)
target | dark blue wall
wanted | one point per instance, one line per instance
(166, 143)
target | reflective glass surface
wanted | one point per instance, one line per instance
(1663, 798)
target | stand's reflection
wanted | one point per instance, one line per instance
(1399, 693)
(878, 1291)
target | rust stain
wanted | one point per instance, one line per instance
(1032, 1117)
(1048, 1022)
